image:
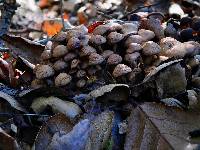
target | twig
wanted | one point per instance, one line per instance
(62, 13)
(9, 114)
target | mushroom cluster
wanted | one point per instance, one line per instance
(122, 51)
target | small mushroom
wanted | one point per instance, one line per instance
(87, 50)
(101, 29)
(151, 48)
(167, 43)
(44, 71)
(59, 65)
(59, 51)
(147, 35)
(155, 26)
(95, 59)
(121, 70)
(84, 40)
(98, 40)
(133, 39)
(81, 83)
(62, 79)
(115, 27)
(61, 36)
(69, 56)
(115, 37)
(107, 53)
(133, 47)
(46, 54)
(81, 74)
(73, 43)
(128, 28)
(114, 59)
(75, 63)
(132, 58)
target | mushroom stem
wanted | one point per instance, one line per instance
(115, 48)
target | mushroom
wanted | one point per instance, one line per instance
(81, 73)
(101, 29)
(61, 36)
(121, 70)
(151, 48)
(114, 38)
(69, 56)
(44, 71)
(167, 43)
(107, 53)
(98, 40)
(114, 59)
(155, 26)
(46, 54)
(115, 27)
(59, 51)
(59, 65)
(147, 35)
(84, 40)
(75, 63)
(73, 43)
(81, 83)
(87, 50)
(132, 58)
(128, 28)
(95, 59)
(133, 39)
(62, 79)
(133, 47)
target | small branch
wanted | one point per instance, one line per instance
(9, 114)
(62, 13)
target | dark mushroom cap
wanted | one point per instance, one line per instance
(107, 53)
(70, 56)
(151, 48)
(146, 34)
(44, 71)
(46, 54)
(98, 39)
(59, 51)
(133, 39)
(131, 58)
(95, 59)
(114, 59)
(101, 29)
(121, 70)
(87, 50)
(62, 79)
(115, 37)
(59, 65)
(133, 47)
(73, 43)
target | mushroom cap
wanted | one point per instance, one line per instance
(59, 65)
(146, 34)
(44, 71)
(81, 83)
(82, 28)
(151, 48)
(37, 83)
(133, 39)
(59, 51)
(87, 50)
(114, 59)
(168, 43)
(70, 56)
(101, 29)
(74, 63)
(155, 26)
(115, 37)
(80, 73)
(131, 58)
(62, 79)
(61, 36)
(98, 39)
(128, 28)
(115, 26)
(95, 59)
(46, 54)
(73, 43)
(84, 40)
(107, 53)
(133, 47)
(121, 70)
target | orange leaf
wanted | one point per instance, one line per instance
(43, 3)
(52, 27)
(82, 18)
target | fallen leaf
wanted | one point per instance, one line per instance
(19, 46)
(157, 126)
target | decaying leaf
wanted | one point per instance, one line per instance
(19, 46)
(13, 102)
(59, 123)
(70, 109)
(100, 131)
(111, 92)
(7, 142)
(156, 126)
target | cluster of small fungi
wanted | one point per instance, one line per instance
(122, 51)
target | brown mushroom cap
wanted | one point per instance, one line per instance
(44, 71)
(98, 39)
(131, 58)
(151, 48)
(133, 47)
(46, 54)
(73, 43)
(146, 34)
(95, 59)
(59, 51)
(101, 29)
(87, 50)
(133, 39)
(81, 83)
(59, 65)
(107, 53)
(81, 73)
(128, 28)
(168, 43)
(70, 56)
(121, 70)
(62, 79)
(61, 36)
(74, 63)
(37, 83)
(115, 37)
(114, 59)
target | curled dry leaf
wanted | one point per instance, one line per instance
(13, 102)
(110, 92)
(59, 123)
(156, 126)
(70, 109)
